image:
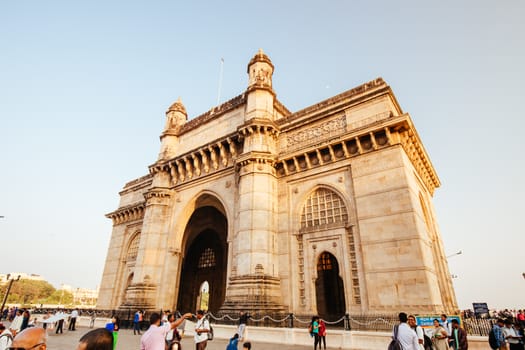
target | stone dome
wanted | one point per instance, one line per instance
(177, 107)
(260, 56)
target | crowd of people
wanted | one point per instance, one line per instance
(445, 334)
(506, 334)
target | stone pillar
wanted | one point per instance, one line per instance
(143, 290)
(254, 285)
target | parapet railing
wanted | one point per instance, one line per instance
(362, 322)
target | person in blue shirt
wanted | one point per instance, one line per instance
(233, 343)
(136, 323)
(498, 334)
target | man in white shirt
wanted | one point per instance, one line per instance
(17, 323)
(448, 327)
(6, 338)
(419, 331)
(511, 336)
(406, 335)
(202, 327)
(73, 321)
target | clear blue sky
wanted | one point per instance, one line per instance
(84, 87)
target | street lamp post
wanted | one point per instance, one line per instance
(8, 289)
(457, 253)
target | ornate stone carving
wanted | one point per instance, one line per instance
(305, 137)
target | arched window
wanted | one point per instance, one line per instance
(207, 259)
(323, 207)
(133, 248)
(325, 262)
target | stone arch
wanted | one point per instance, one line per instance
(178, 238)
(329, 287)
(204, 254)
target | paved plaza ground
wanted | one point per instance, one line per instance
(127, 341)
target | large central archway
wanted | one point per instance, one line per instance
(204, 265)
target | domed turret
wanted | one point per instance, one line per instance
(176, 116)
(260, 71)
(177, 107)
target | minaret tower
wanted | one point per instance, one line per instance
(176, 116)
(255, 283)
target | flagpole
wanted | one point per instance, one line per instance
(220, 81)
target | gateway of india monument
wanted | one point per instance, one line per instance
(249, 206)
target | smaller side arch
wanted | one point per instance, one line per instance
(329, 287)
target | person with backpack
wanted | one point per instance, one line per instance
(6, 338)
(403, 337)
(496, 338)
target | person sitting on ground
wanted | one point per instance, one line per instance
(33, 338)
(234, 341)
(96, 339)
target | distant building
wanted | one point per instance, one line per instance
(23, 276)
(82, 296)
(325, 210)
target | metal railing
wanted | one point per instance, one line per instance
(362, 322)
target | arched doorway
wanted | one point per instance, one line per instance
(329, 288)
(204, 265)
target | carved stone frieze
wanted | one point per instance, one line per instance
(307, 136)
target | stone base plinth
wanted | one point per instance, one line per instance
(254, 293)
(140, 296)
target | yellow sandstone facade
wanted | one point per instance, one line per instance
(327, 210)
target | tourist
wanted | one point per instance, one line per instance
(33, 338)
(16, 325)
(73, 320)
(114, 327)
(405, 335)
(155, 337)
(419, 331)
(25, 320)
(60, 324)
(233, 343)
(322, 333)
(498, 334)
(243, 320)
(136, 324)
(202, 327)
(6, 338)
(173, 334)
(314, 331)
(96, 339)
(448, 327)
(439, 337)
(520, 317)
(247, 346)
(180, 327)
(92, 319)
(459, 336)
(511, 336)
(44, 318)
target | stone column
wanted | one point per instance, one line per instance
(142, 293)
